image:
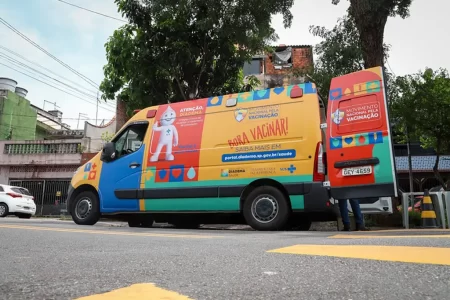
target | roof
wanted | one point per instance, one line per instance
(422, 163)
(293, 46)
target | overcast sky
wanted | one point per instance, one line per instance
(77, 38)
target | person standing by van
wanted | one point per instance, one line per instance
(354, 203)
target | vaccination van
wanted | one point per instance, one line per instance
(272, 159)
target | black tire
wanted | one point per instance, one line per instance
(271, 213)
(134, 223)
(24, 216)
(147, 222)
(4, 210)
(86, 209)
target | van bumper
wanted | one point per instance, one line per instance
(69, 197)
(317, 201)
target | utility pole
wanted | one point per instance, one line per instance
(79, 117)
(54, 105)
(96, 110)
(411, 179)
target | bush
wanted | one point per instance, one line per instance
(414, 218)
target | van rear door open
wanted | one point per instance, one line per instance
(360, 158)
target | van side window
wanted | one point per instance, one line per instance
(131, 139)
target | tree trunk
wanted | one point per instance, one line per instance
(436, 171)
(370, 20)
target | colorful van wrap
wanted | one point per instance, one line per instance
(200, 155)
(359, 150)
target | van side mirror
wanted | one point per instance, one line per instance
(108, 152)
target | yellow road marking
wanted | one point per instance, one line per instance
(413, 230)
(420, 255)
(351, 236)
(147, 291)
(193, 236)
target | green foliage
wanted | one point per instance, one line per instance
(106, 136)
(421, 106)
(415, 218)
(370, 18)
(339, 53)
(178, 50)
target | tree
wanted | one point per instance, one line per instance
(177, 50)
(338, 54)
(421, 103)
(370, 19)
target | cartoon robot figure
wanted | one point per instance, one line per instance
(168, 136)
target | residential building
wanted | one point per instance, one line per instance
(280, 66)
(17, 118)
(39, 151)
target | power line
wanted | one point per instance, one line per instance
(19, 64)
(33, 129)
(49, 119)
(92, 83)
(95, 12)
(58, 88)
(36, 64)
(54, 86)
(15, 62)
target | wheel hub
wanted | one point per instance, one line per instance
(265, 209)
(83, 208)
(2, 210)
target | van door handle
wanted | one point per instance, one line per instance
(134, 165)
(357, 162)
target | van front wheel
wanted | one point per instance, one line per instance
(266, 209)
(85, 209)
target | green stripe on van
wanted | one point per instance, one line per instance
(190, 204)
(207, 204)
(297, 201)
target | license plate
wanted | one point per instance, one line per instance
(357, 171)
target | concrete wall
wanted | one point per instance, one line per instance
(8, 173)
(4, 174)
(16, 117)
(48, 152)
(95, 135)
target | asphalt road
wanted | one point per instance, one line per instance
(60, 260)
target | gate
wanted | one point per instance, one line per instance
(49, 195)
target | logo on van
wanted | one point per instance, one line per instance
(337, 116)
(231, 172)
(291, 169)
(240, 114)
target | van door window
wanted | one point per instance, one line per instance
(131, 139)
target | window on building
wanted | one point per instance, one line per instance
(282, 58)
(253, 67)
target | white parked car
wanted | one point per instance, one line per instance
(17, 201)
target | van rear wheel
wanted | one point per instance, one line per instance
(266, 209)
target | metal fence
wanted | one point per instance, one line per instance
(49, 195)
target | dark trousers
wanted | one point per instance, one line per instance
(354, 203)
